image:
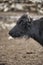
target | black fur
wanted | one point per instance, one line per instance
(27, 27)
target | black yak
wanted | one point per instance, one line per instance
(28, 27)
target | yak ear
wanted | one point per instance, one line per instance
(30, 19)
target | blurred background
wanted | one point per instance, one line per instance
(11, 10)
(21, 6)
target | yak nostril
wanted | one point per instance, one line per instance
(10, 33)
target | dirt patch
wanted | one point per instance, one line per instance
(19, 51)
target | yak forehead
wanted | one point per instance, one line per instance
(23, 19)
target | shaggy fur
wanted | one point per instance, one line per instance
(27, 27)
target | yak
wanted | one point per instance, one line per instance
(26, 26)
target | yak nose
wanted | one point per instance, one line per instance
(14, 34)
(11, 33)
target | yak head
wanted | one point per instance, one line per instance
(22, 28)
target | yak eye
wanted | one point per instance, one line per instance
(19, 22)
